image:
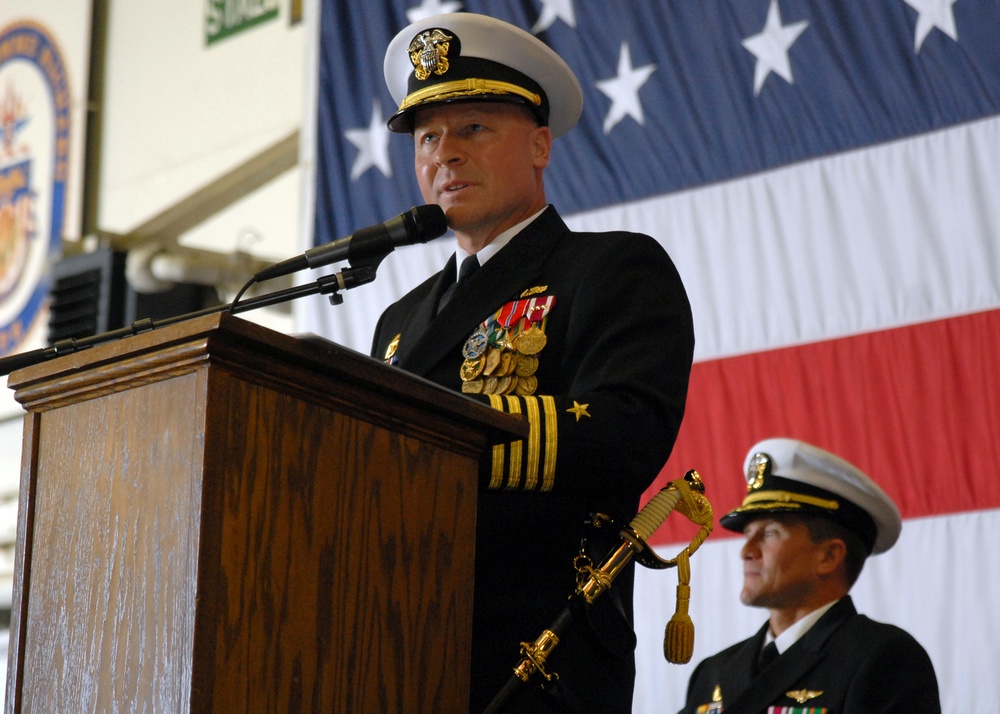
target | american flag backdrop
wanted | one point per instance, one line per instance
(826, 175)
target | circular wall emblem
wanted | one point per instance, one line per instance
(34, 151)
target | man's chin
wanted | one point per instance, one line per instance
(458, 216)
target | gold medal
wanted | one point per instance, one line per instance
(503, 385)
(472, 387)
(507, 363)
(526, 385)
(493, 356)
(531, 341)
(490, 385)
(472, 368)
(526, 366)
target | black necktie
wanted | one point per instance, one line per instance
(767, 655)
(469, 266)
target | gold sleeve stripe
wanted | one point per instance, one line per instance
(496, 472)
(551, 442)
(517, 447)
(537, 458)
(534, 443)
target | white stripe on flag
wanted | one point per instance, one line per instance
(880, 237)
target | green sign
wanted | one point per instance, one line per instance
(224, 18)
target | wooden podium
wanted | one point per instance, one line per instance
(218, 518)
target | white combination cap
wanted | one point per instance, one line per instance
(789, 475)
(463, 57)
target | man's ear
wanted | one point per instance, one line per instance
(833, 552)
(542, 146)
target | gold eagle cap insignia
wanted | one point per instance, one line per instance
(538, 289)
(429, 53)
(802, 695)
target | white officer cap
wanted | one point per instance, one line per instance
(789, 475)
(467, 57)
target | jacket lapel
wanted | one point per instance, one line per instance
(737, 675)
(423, 312)
(431, 338)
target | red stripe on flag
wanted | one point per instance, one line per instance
(917, 408)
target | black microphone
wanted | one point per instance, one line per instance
(418, 225)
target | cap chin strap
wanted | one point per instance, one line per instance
(465, 88)
(769, 499)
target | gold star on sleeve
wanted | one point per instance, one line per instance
(579, 409)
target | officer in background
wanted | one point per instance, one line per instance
(589, 336)
(810, 520)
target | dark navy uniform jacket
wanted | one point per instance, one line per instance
(611, 385)
(844, 664)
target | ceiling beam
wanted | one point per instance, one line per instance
(171, 223)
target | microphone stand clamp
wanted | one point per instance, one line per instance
(331, 285)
